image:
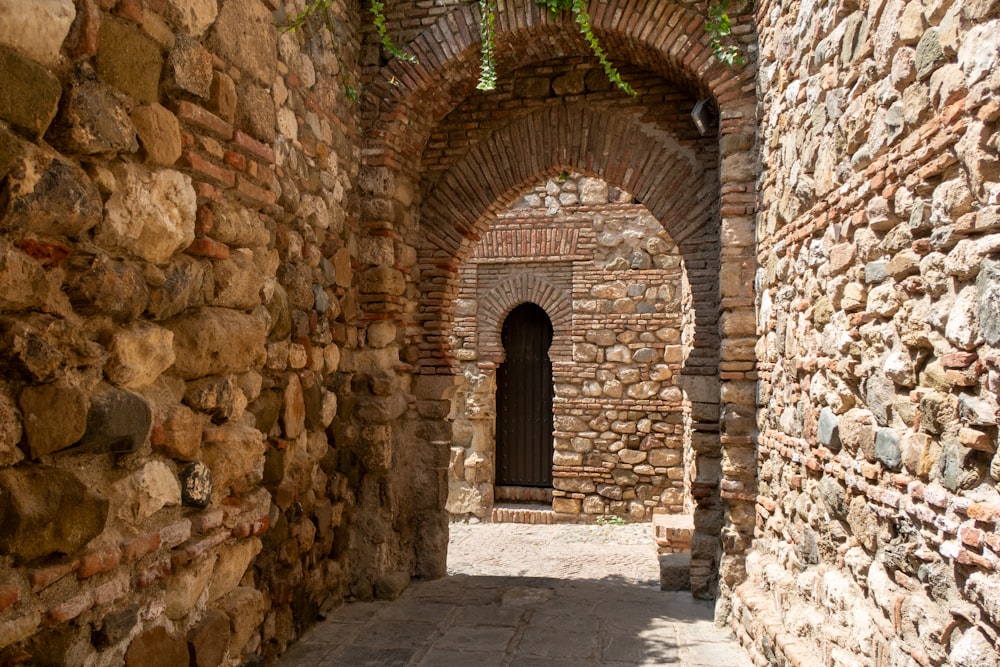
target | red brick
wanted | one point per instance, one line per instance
(958, 359)
(111, 590)
(44, 577)
(102, 560)
(9, 594)
(235, 160)
(207, 192)
(130, 9)
(204, 221)
(204, 119)
(191, 549)
(70, 609)
(197, 164)
(254, 194)
(175, 533)
(985, 512)
(206, 247)
(140, 546)
(207, 520)
(970, 536)
(966, 557)
(254, 147)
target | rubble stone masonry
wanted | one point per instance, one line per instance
(877, 314)
(234, 323)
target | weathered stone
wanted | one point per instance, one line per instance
(182, 429)
(156, 648)
(47, 510)
(880, 392)
(30, 94)
(213, 341)
(238, 226)
(100, 285)
(246, 608)
(245, 33)
(209, 640)
(929, 53)
(390, 586)
(118, 421)
(159, 133)
(55, 417)
(37, 29)
(93, 120)
(190, 67)
(887, 448)
(196, 485)
(147, 491)
(232, 564)
(151, 215)
(129, 60)
(187, 282)
(47, 194)
(988, 301)
(235, 459)
(193, 16)
(828, 432)
(255, 112)
(856, 428)
(962, 329)
(139, 354)
(116, 627)
(238, 281)
(10, 432)
(220, 397)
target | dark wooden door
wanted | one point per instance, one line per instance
(524, 400)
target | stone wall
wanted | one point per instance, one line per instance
(877, 231)
(179, 463)
(613, 284)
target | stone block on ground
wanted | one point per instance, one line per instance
(675, 572)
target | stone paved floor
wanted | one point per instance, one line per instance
(527, 596)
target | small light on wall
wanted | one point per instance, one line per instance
(702, 116)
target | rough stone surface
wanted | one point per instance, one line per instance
(156, 648)
(47, 511)
(30, 95)
(129, 60)
(93, 120)
(118, 421)
(47, 194)
(210, 341)
(245, 33)
(196, 485)
(159, 134)
(139, 354)
(37, 29)
(55, 417)
(151, 215)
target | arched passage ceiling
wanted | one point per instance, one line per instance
(669, 39)
(671, 179)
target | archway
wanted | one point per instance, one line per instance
(443, 160)
(524, 400)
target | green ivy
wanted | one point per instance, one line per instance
(487, 31)
(719, 28)
(378, 12)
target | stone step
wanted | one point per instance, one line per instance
(675, 572)
(532, 513)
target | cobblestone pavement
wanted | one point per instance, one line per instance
(529, 596)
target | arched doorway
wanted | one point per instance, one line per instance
(524, 400)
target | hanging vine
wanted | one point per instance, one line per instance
(717, 25)
(719, 29)
(487, 33)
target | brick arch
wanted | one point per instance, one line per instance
(667, 38)
(617, 148)
(511, 293)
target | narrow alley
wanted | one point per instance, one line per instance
(524, 596)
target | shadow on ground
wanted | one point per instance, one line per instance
(480, 621)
